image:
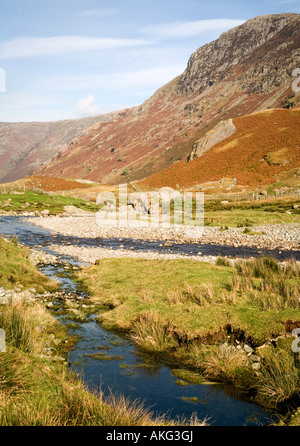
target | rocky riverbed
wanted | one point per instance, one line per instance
(281, 236)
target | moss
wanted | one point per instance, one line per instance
(189, 376)
(104, 357)
(192, 399)
(182, 383)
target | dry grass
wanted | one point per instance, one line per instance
(250, 155)
(152, 334)
(269, 284)
(279, 377)
(37, 391)
(225, 362)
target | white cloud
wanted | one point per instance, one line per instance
(43, 46)
(86, 106)
(190, 29)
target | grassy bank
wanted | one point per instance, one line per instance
(38, 390)
(36, 386)
(16, 271)
(250, 213)
(31, 201)
(204, 316)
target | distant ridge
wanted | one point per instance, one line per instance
(25, 146)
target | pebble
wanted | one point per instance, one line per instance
(273, 236)
(11, 296)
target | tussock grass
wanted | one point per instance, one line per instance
(152, 334)
(279, 378)
(269, 284)
(222, 261)
(205, 294)
(19, 329)
(225, 363)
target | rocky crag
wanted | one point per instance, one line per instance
(247, 69)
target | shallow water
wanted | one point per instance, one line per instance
(126, 370)
(37, 236)
(142, 377)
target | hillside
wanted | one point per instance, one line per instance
(246, 70)
(264, 149)
(25, 146)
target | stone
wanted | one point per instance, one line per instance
(248, 349)
(45, 213)
(256, 366)
(4, 300)
(255, 358)
(106, 198)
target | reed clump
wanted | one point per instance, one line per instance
(269, 284)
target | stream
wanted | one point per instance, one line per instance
(107, 360)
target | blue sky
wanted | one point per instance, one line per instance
(65, 59)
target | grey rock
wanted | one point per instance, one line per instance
(255, 358)
(256, 366)
(221, 131)
(248, 349)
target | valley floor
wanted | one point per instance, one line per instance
(280, 236)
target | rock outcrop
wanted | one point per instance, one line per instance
(221, 131)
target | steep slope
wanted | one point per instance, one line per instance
(265, 145)
(25, 146)
(246, 70)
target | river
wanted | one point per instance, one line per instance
(120, 367)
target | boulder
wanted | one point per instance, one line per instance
(223, 130)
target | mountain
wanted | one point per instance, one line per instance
(25, 146)
(247, 69)
(264, 149)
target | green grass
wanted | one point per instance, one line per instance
(36, 388)
(250, 213)
(37, 201)
(183, 310)
(17, 271)
(193, 298)
(133, 288)
(38, 391)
